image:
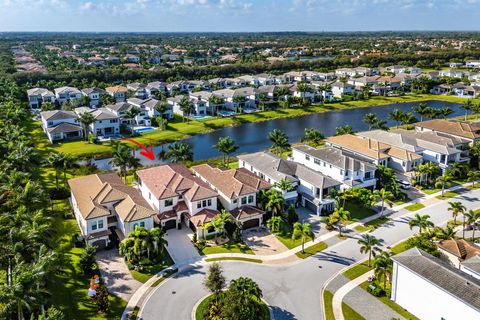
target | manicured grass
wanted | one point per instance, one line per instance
(447, 195)
(431, 191)
(455, 224)
(349, 313)
(149, 271)
(415, 207)
(357, 211)
(327, 303)
(371, 225)
(203, 305)
(69, 288)
(310, 251)
(399, 247)
(356, 270)
(177, 129)
(229, 247)
(235, 259)
(285, 237)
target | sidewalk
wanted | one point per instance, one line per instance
(342, 292)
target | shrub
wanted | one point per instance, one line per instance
(88, 264)
(375, 289)
(292, 215)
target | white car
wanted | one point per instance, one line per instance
(404, 184)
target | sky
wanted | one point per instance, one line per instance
(238, 15)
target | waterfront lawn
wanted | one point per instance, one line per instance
(415, 207)
(357, 211)
(310, 251)
(229, 247)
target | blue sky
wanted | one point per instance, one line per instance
(238, 15)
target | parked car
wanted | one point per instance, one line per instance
(404, 184)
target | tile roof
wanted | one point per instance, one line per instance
(368, 147)
(202, 217)
(451, 280)
(172, 180)
(473, 263)
(232, 183)
(103, 114)
(460, 248)
(94, 191)
(270, 165)
(119, 107)
(116, 89)
(469, 130)
(245, 212)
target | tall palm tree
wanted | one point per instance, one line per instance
(302, 231)
(312, 136)
(369, 244)
(408, 118)
(370, 119)
(246, 289)
(274, 224)
(383, 267)
(473, 218)
(218, 223)
(238, 100)
(381, 125)
(384, 196)
(275, 202)
(445, 233)
(420, 221)
(476, 110)
(284, 184)
(346, 129)
(179, 152)
(422, 109)
(86, 119)
(457, 208)
(444, 112)
(132, 113)
(303, 88)
(123, 159)
(226, 145)
(467, 106)
(444, 180)
(162, 107)
(341, 217)
(279, 141)
(397, 116)
(56, 161)
(186, 107)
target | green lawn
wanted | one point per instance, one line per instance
(356, 270)
(327, 302)
(228, 248)
(431, 191)
(285, 237)
(399, 247)
(447, 195)
(310, 251)
(149, 271)
(415, 207)
(349, 313)
(235, 259)
(371, 225)
(357, 211)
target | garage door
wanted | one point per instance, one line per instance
(309, 205)
(250, 224)
(170, 224)
(100, 244)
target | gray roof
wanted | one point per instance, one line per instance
(314, 177)
(66, 89)
(103, 114)
(65, 127)
(451, 280)
(93, 90)
(58, 114)
(119, 107)
(39, 92)
(337, 157)
(473, 263)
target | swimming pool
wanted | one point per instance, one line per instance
(140, 130)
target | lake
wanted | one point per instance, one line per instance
(252, 137)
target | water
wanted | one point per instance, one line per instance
(252, 137)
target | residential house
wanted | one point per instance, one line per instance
(132, 58)
(199, 105)
(265, 79)
(237, 190)
(451, 73)
(469, 131)
(37, 96)
(102, 203)
(60, 125)
(458, 250)
(179, 197)
(339, 89)
(94, 96)
(349, 169)
(119, 109)
(345, 72)
(120, 93)
(309, 187)
(106, 123)
(139, 90)
(464, 90)
(64, 94)
(311, 94)
(246, 98)
(156, 88)
(417, 274)
(455, 65)
(473, 64)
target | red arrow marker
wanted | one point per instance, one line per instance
(148, 152)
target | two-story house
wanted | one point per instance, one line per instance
(37, 96)
(64, 94)
(139, 90)
(94, 95)
(156, 88)
(237, 190)
(236, 99)
(460, 129)
(199, 106)
(120, 93)
(60, 125)
(179, 197)
(106, 123)
(339, 89)
(102, 204)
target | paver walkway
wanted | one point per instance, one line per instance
(180, 246)
(262, 242)
(342, 292)
(118, 278)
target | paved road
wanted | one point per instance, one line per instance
(292, 291)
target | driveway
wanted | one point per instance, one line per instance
(118, 278)
(262, 242)
(316, 222)
(180, 247)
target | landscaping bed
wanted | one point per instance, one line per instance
(310, 251)
(205, 304)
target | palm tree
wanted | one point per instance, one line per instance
(279, 141)
(473, 176)
(262, 98)
(445, 233)
(246, 288)
(340, 216)
(467, 106)
(313, 137)
(457, 208)
(238, 100)
(302, 231)
(68, 163)
(444, 180)
(422, 109)
(157, 236)
(381, 125)
(422, 222)
(179, 152)
(369, 244)
(303, 87)
(473, 218)
(86, 119)
(396, 115)
(275, 202)
(370, 119)
(186, 107)
(226, 145)
(274, 224)
(476, 110)
(383, 267)
(444, 112)
(123, 159)
(56, 161)
(284, 184)
(383, 195)
(162, 107)
(346, 129)
(408, 118)
(132, 113)
(218, 223)
(475, 151)
(215, 102)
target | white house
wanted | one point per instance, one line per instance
(37, 96)
(235, 99)
(178, 196)
(102, 203)
(64, 94)
(94, 94)
(60, 125)
(417, 275)
(118, 92)
(473, 64)
(237, 190)
(105, 124)
(340, 88)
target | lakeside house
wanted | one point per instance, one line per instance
(64, 94)
(469, 131)
(94, 95)
(118, 92)
(106, 124)
(60, 125)
(37, 96)
(103, 206)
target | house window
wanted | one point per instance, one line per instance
(99, 121)
(199, 204)
(94, 226)
(209, 202)
(307, 157)
(244, 200)
(250, 199)
(367, 175)
(316, 161)
(50, 123)
(403, 163)
(235, 200)
(142, 224)
(204, 203)
(168, 202)
(100, 224)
